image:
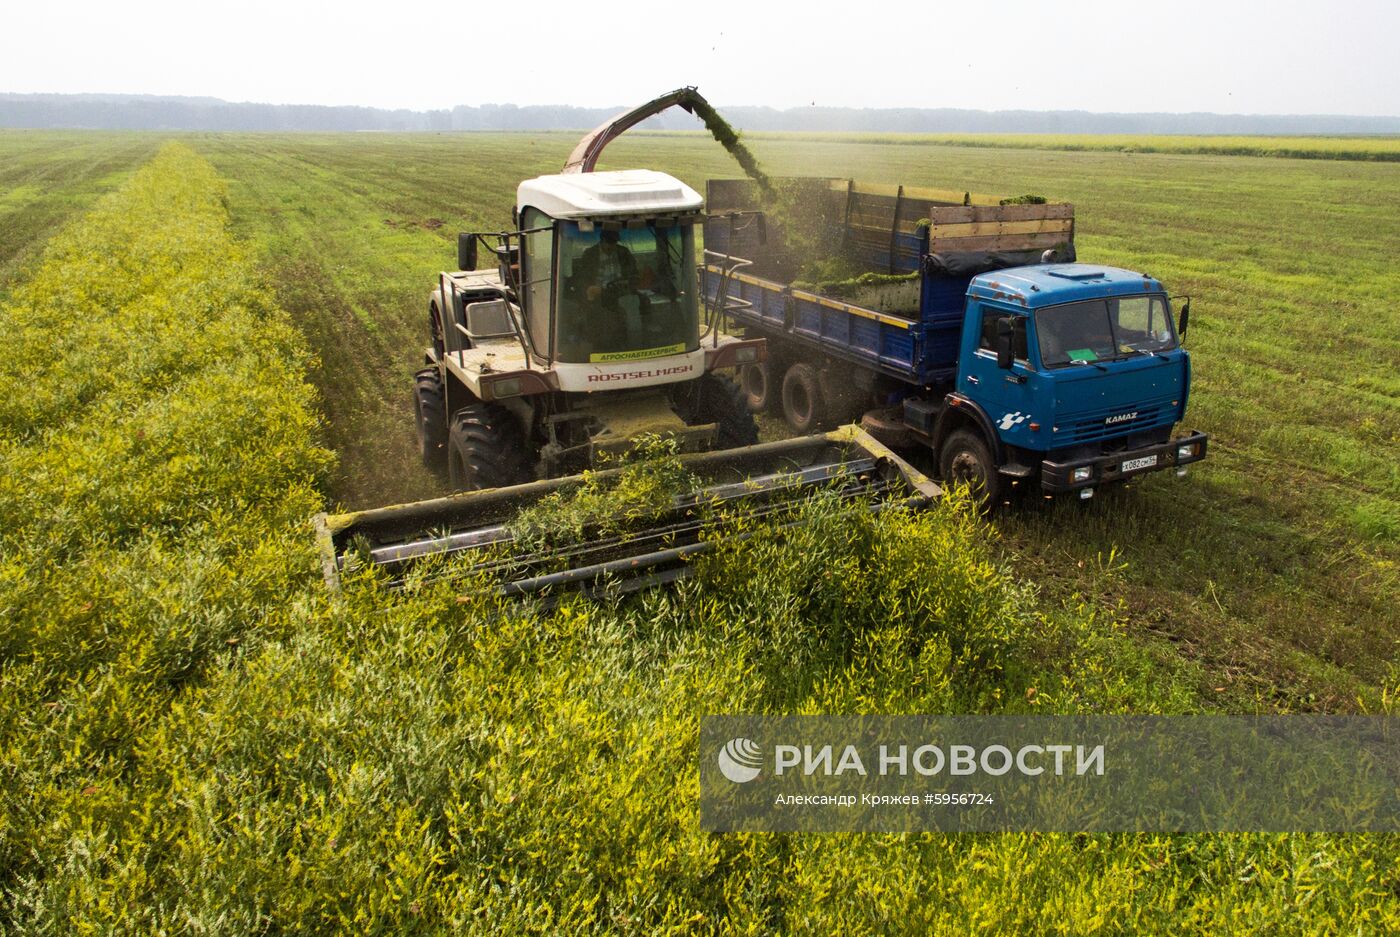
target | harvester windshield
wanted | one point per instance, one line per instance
(625, 294)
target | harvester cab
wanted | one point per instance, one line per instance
(587, 335)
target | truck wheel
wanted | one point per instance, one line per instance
(966, 459)
(716, 399)
(804, 408)
(430, 418)
(757, 383)
(485, 449)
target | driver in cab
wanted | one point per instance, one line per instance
(606, 271)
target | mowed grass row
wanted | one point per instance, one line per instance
(158, 461)
(1273, 567)
(47, 178)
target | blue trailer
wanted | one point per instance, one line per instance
(970, 330)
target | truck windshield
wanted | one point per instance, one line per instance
(625, 295)
(1104, 329)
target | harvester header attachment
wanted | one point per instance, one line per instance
(765, 482)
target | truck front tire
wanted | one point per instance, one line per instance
(804, 408)
(430, 418)
(966, 459)
(485, 449)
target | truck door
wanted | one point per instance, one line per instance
(1006, 396)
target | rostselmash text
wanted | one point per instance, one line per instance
(640, 375)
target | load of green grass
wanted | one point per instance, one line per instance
(197, 740)
(648, 480)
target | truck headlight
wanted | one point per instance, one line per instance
(1082, 474)
(1186, 452)
(746, 355)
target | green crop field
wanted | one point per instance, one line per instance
(194, 738)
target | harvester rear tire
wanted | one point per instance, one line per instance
(804, 407)
(757, 383)
(485, 449)
(430, 418)
(966, 459)
(716, 399)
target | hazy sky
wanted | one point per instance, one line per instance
(1179, 55)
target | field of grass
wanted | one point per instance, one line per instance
(195, 739)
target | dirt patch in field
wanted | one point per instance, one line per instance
(426, 224)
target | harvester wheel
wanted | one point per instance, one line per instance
(430, 418)
(485, 449)
(717, 399)
(966, 459)
(804, 408)
(435, 327)
(757, 383)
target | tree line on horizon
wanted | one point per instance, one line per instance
(151, 112)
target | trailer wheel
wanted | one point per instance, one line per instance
(485, 449)
(966, 459)
(430, 418)
(804, 408)
(757, 383)
(717, 399)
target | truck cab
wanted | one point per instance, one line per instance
(1075, 374)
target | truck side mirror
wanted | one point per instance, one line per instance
(1005, 353)
(762, 229)
(1185, 320)
(466, 251)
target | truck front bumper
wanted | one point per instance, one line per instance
(1056, 477)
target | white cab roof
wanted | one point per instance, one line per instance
(591, 194)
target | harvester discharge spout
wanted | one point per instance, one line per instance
(586, 153)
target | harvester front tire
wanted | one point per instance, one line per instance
(485, 449)
(435, 329)
(430, 418)
(804, 407)
(716, 399)
(756, 380)
(966, 459)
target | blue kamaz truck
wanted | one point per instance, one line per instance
(959, 324)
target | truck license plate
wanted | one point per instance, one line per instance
(1132, 465)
